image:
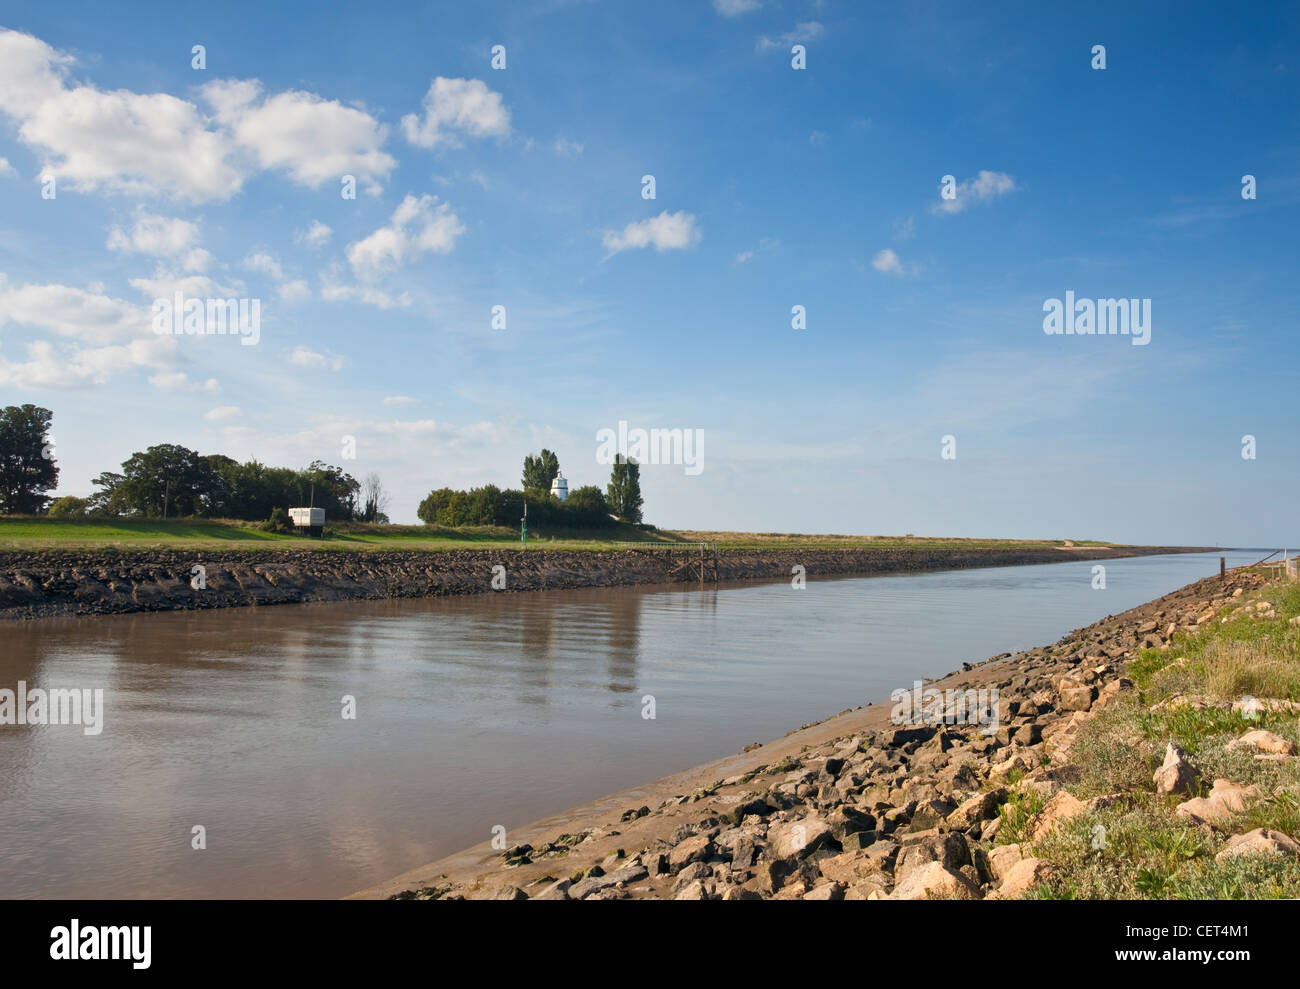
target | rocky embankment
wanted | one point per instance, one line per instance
(45, 584)
(860, 807)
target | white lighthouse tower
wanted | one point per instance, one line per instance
(560, 487)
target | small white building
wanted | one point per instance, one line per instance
(560, 487)
(310, 521)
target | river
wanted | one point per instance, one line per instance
(470, 712)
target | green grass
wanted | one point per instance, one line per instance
(42, 534)
(1147, 851)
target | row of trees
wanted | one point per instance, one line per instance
(172, 481)
(586, 507)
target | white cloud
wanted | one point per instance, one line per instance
(983, 187)
(313, 139)
(889, 262)
(158, 144)
(166, 283)
(803, 31)
(73, 312)
(160, 236)
(332, 289)
(317, 235)
(296, 289)
(566, 148)
(304, 357)
(764, 244)
(453, 106)
(667, 231)
(180, 381)
(223, 412)
(119, 335)
(401, 400)
(75, 367)
(7, 169)
(265, 263)
(120, 141)
(734, 8)
(418, 226)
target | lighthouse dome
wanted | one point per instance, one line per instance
(560, 487)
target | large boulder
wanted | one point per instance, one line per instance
(933, 881)
(1022, 877)
(949, 850)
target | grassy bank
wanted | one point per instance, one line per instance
(37, 534)
(1189, 695)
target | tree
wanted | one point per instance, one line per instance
(374, 499)
(540, 471)
(624, 491)
(27, 469)
(164, 479)
(587, 506)
(329, 488)
(69, 507)
(433, 503)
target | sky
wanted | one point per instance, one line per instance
(929, 179)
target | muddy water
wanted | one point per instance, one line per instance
(470, 712)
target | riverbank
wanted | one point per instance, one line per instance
(1151, 754)
(56, 583)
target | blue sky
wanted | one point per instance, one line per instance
(775, 187)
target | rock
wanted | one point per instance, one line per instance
(696, 870)
(599, 883)
(850, 867)
(949, 850)
(1078, 698)
(1061, 807)
(689, 850)
(871, 888)
(844, 821)
(826, 891)
(1113, 691)
(1261, 841)
(906, 736)
(510, 893)
(1264, 741)
(555, 891)
(1002, 858)
(697, 890)
(858, 840)
(977, 808)
(800, 837)
(1007, 767)
(933, 881)
(1175, 774)
(1021, 877)
(1226, 798)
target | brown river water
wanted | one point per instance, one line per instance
(469, 713)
